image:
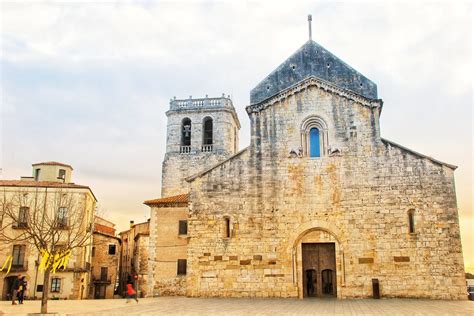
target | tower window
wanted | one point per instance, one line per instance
(314, 143)
(186, 136)
(207, 137)
(37, 174)
(186, 132)
(207, 131)
(411, 221)
(62, 174)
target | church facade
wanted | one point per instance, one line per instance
(318, 204)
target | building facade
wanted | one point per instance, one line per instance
(105, 259)
(51, 187)
(318, 205)
(134, 258)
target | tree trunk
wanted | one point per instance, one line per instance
(44, 298)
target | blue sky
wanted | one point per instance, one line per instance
(88, 84)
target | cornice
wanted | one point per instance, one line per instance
(313, 81)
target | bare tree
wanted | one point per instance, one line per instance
(55, 222)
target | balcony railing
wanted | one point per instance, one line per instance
(20, 225)
(20, 267)
(101, 280)
(201, 103)
(206, 148)
(185, 149)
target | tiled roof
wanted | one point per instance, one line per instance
(52, 163)
(170, 200)
(104, 229)
(43, 184)
(28, 183)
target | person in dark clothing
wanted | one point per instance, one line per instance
(15, 288)
(21, 290)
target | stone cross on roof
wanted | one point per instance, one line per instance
(310, 18)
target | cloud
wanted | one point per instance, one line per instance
(89, 83)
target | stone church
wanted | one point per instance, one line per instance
(317, 205)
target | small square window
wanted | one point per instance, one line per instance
(62, 174)
(111, 249)
(181, 266)
(183, 227)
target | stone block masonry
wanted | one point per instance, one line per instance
(357, 198)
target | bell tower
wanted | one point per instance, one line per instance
(200, 133)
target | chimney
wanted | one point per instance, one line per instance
(131, 223)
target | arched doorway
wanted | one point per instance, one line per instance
(318, 261)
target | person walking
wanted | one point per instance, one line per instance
(21, 290)
(131, 292)
(15, 288)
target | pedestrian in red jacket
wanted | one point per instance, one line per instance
(131, 292)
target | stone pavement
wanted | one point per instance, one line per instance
(238, 306)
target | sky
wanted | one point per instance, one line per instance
(88, 83)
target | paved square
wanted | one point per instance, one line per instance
(222, 306)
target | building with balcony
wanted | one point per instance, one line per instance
(105, 259)
(134, 258)
(48, 198)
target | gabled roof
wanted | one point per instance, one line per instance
(403, 148)
(176, 200)
(200, 174)
(313, 60)
(52, 163)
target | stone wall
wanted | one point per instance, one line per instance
(166, 247)
(359, 194)
(141, 263)
(102, 258)
(177, 166)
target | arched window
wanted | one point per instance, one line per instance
(186, 136)
(207, 137)
(314, 143)
(314, 137)
(411, 221)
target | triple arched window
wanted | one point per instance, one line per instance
(314, 137)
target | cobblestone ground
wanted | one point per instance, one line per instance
(218, 306)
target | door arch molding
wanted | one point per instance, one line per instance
(328, 233)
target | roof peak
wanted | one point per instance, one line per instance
(312, 59)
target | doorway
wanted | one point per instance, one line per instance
(7, 287)
(319, 269)
(100, 291)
